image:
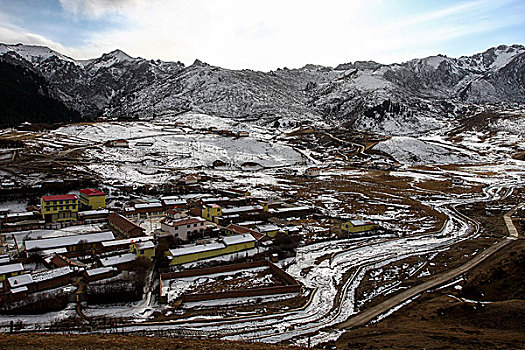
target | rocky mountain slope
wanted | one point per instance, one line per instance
(25, 96)
(406, 98)
(89, 86)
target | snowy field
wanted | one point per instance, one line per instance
(158, 151)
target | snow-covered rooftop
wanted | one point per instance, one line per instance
(41, 244)
(126, 241)
(238, 239)
(178, 201)
(20, 280)
(11, 268)
(93, 212)
(49, 252)
(52, 274)
(19, 290)
(267, 228)
(287, 209)
(242, 209)
(4, 259)
(148, 205)
(118, 259)
(145, 245)
(99, 271)
(196, 249)
(20, 215)
(361, 222)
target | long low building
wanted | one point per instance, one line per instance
(121, 262)
(10, 270)
(74, 243)
(290, 211)
(125, 226)
(355, 226)
(123, 243)
(226, 245)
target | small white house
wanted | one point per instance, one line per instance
(181, 227)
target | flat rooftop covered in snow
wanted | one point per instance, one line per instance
(20, 280)
(287, 209)
(99, 271)
(361, 222)
(126, 241)
(196, 249)
(49, 243)
(118, 259)
(16, 267)
(242, 209)
(52, 274)
(238, 239)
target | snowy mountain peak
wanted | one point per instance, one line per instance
(434, 61)
(33, 53)
(396, 98)
(492, 59)
(119, 55)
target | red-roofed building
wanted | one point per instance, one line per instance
(92, 199)
(125, 226)
(59, 208)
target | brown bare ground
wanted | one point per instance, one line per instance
(98, 341)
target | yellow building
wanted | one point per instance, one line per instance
(269, 230)
(144, 249)
(59, 208)
(238, 243)
(355, 226)
(94, 199)
(10, 270)
(210, 211)
(227, 245)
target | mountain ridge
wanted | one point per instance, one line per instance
(428, 90)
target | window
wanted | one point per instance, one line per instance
(176, 228)
(194, 225)
(188, 226)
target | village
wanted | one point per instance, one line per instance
(79, 247)
(186, 229)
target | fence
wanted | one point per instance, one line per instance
(292, 286)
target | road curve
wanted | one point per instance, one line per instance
(379, 309)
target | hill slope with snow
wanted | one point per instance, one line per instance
(399, 99)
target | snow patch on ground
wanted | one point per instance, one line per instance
(409, 150)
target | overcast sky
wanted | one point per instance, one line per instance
(264, 35)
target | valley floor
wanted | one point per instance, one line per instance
(438, 200)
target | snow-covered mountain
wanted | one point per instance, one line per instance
(89, 86)
(410, 97)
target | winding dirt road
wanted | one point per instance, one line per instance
(379, 309)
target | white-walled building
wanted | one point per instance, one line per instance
(181, 227)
